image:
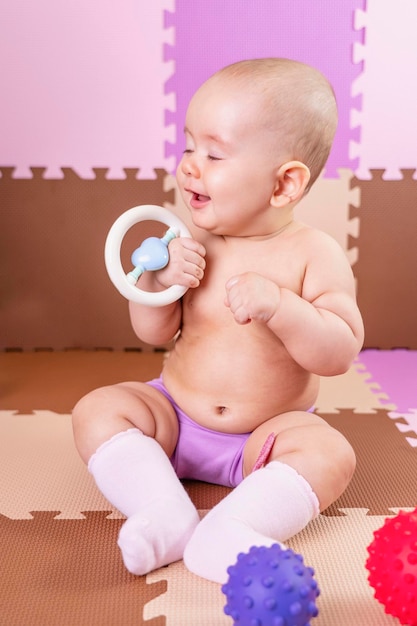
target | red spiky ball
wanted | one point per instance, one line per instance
(392, 566)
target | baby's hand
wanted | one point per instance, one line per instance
(250, 296)
(186, 263)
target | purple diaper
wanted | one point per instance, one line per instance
(204, 454)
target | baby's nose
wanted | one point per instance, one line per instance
(189, 165)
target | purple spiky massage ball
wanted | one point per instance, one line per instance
(271, 586)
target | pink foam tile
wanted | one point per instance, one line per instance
(389, 49)
(395, 371)
(82, 87)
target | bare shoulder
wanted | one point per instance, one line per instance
(319, 247)
(327, 267)
(314, 237)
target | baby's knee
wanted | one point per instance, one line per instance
(339, 465)
(347, 458)
(90, 421)
(337, 457)
(87, 407)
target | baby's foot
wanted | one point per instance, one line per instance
(217, 541)
(157, 537)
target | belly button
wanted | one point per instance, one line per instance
(221, 409)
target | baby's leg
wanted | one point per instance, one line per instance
(134, 473)
(312, 464)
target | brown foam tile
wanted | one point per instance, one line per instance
(406, 422)
(386, 464)
(385, 271)
(68, 300)
(69, 573)
(57, 380)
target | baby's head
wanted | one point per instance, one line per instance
(296, 105)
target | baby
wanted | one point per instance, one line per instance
(270, 308)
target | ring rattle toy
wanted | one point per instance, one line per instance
(152, 254)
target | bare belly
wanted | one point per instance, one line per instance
(239, 389)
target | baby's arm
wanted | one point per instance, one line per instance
(186, 266)
(322, 328)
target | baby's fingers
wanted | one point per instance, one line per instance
(187, 262)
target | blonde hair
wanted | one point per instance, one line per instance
(300, 106)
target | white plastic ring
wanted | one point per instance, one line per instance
(114, 264)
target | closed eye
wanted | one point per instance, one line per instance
(210, 157)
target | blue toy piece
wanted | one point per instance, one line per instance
(271, 587)
(151, 255)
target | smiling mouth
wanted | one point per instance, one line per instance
(198, 200)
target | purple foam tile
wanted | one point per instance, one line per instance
(209, 35)
(395, 371)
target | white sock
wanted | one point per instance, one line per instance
(269, 506)
(135, 475)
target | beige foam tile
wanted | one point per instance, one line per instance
(327, 207)
(41, 469)
(188, 601)
(334, 546)
(351, 391)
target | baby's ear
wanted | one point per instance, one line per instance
(291, 182)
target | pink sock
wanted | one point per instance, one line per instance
(269, 506)
(135, 475)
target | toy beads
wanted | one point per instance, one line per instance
(392, 566)
(270, 587)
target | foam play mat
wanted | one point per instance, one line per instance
(60, 564)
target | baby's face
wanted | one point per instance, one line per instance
(227, 174)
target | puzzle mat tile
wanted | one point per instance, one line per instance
(41, 469)
(353, 390)
(334, 547)
(396, 373)
(305, 34)
(389, 48)
(327, 207)
(69, 300)
(387, 258)
(386, 463)
(108, 102)
(69, 573)
(57, 380)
